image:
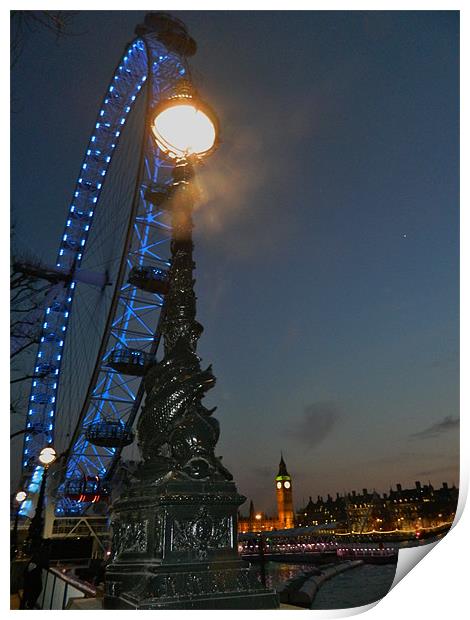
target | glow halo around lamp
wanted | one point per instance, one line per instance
(47, 456)
(184, 126)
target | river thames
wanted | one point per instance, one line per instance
(353, 588)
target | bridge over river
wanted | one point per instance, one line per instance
(311, 545)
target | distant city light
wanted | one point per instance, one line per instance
(20, 496)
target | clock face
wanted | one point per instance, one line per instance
(287, 484)
(279, 485)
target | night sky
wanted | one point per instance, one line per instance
(327, 249)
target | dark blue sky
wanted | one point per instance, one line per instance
(327, 250)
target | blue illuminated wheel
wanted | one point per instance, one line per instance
(101, 332)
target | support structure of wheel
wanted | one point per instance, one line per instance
(114, 233)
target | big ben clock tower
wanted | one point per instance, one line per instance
(285, 509)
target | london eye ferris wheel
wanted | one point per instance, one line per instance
(101, 332)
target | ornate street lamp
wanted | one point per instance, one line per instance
(47, 457)
(184, 126)
(174, 542)
(19, 499)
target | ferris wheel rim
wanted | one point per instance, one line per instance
(65, 294)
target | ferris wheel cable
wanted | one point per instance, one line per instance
(69, 390)
(78, 363)
(119, 166)
(91, 314)
(115, 198)
(78, 359)
(114, 226)
(119, 282)
(86, 319)
(93, 130)
(107, 262)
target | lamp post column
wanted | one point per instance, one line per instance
(47, 456)
(19, 499)
(14, 536)
(180, 304)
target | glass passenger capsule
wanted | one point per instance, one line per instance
(130, 361)
(150, 279)
(86, 489)
(109, 434)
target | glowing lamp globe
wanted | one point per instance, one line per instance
(20, 496)
(47, 456)
(184, 126)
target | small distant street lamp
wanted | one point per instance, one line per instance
(47, 456)
(19, 499)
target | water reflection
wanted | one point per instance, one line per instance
(277, 573)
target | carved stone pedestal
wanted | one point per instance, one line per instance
(175, 546)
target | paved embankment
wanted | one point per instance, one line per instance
(301, 590)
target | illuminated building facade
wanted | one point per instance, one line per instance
(256, 521)
(322, 512)
(400, 509)
(422, 506)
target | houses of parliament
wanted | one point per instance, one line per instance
(399, 510)
(258, 521)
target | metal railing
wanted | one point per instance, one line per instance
(59, 588)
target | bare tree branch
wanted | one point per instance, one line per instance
(27, 297)
(23, 23)
(25, 378)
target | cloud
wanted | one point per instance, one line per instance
(391, 458)
(263, 471)
(447, 424)
(403, 456)
(318, 421)
(439, 470)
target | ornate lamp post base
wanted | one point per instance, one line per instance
(175, 547)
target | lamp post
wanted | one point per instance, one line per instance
(174, 543)
(262, 559)
(19, 499)
(47, 456)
